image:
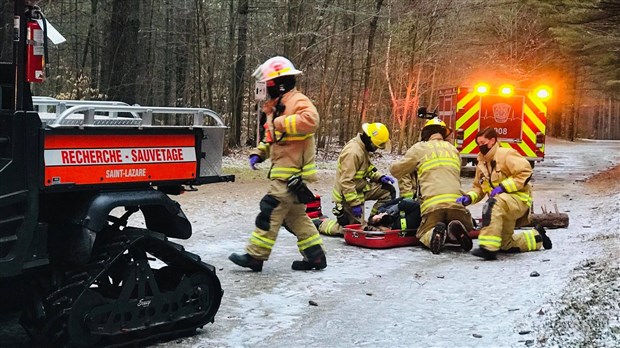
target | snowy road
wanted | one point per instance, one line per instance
(407, 297)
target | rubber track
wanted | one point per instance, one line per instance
(58, 304)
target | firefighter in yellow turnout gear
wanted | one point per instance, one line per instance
(437, 165)
(504, 175)
(358, 180)
(292, 120)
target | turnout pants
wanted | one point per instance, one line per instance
(373, 192)
(281, 206)
(444, 213)
(499, 217)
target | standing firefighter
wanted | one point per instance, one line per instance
(358, 180)
(437, 165)
(504, 175)
(291, 120)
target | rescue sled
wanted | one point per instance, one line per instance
(355, 235)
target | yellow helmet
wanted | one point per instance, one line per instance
(378, 134)
(437, 122)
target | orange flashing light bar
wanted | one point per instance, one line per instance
(543, 93)
(506, 90)
(482, 88)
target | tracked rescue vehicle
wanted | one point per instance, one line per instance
(71, 175)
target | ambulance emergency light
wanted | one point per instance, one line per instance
(506, 90)
(482, 88)
(543, 93)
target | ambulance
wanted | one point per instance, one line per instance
(518, 115)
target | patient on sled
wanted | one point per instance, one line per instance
(398, 214)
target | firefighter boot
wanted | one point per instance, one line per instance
(546, 241)
(438, 238)
(314, 258)
(246, 260)
(457, 231)
(484, 253)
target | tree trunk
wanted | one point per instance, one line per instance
(95, 51)
(371, 47)
(122, 51)
(182, 50)
(168, 67)
(290, 43)
(549, 220)
(574, 107)
(345, 132)
(237, 92)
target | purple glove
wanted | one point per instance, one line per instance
(496, 191)
(464, 200)
(386, 179)
(357, 211)
(253, 160)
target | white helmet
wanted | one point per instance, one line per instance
(275, 67)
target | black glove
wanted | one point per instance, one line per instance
(296, 185)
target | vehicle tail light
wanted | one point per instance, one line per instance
(540, 140)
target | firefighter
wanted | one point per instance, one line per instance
(358, 180)
(504, 175)
(291, 120)
(437, 165)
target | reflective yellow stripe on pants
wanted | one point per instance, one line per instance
(492, 241)
(530, 238)
(306, 243)
(262, 242)
(330, 226)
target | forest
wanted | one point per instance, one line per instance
(363, 60)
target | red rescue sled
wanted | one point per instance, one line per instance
(355, 235)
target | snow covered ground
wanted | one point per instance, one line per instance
(407, 297)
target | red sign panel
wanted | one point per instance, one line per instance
(103, 159)
(505, 114)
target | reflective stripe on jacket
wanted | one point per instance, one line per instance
(353, 173)
(294, 152)
(506, 167)
(438, 165)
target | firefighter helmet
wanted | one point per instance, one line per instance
(275, 67)
(436, 122)
(378, 134)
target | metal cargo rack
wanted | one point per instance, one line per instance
(85, 114)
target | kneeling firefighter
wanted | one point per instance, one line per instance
(504, 175)
(358, 180)
(436, 164)
(291, 120)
